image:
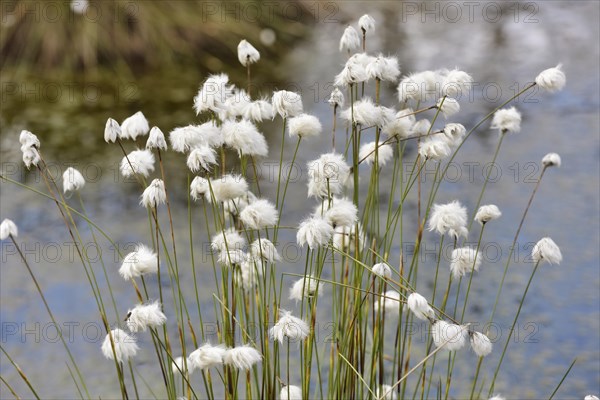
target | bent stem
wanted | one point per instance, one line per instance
(472, 273)
(487, 178)
(512, 247)
(473, 129)
(287, 181)
(335, 106)
(512, 328)
(21, 373)
(41, 293)
(280, 161)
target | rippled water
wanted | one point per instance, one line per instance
(560, 320)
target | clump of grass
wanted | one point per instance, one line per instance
(128, 36)
(350, 242)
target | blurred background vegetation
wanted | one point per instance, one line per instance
(68, 65)
(132, 36)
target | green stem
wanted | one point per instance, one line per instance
(487, 178)
(287, 181)
(514, 243)
(280, 161)
(512, 328)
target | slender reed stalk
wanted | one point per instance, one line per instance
(512, 329)
(21, 373)
(514, 242)
(487, 179)
(50, 314)
(563, 379)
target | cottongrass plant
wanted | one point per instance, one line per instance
(352, 270)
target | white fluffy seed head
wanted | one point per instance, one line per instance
(387, 115)
(72, 180)
(499, 397)
(344, 238)
(237, 205)
(246, 276)
(338, 212)
(552, 79)
(487, 213)
(434, 149)
(242, 357)
(387, 392)
(336, 98)
(244, 137)
(421, 86)
(385, 152)
(588, 397)
(551, 160)
(247, 54)
(419, 306)
(383, 270)
(229, 239)
(264, 249)
(207, 356)
(289, 327)
(234, 105)
(315, 232)
(199, 188)
(201, 158)
(112, 131)
(448, 106)
(383, 68)
(327, 175)
(258, 110)
(31, 156)
(134, 126)
(286, 103)
(260, 214)
(365, 113)
(360, 60)
(137, 162)
(156, 139)
(453, 134)
(449, 218)
(188, 137)
(350, 41)
(546, 250)
(366, 23)
(464, 260)
(154, 195)
(351, 74)
(401, 125)
(213, 93)
(390, 301)
(125, 345)
(140, 262)
(8, 228)
(456, 83)
(305, 287)
(143, 316)
(178, 366)
(228, 187)
(290, 392)
(28, 139)
(304, 125)
(480, 343)
(421, 127)
(507, 120)
(451, 336)
(232, 258)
